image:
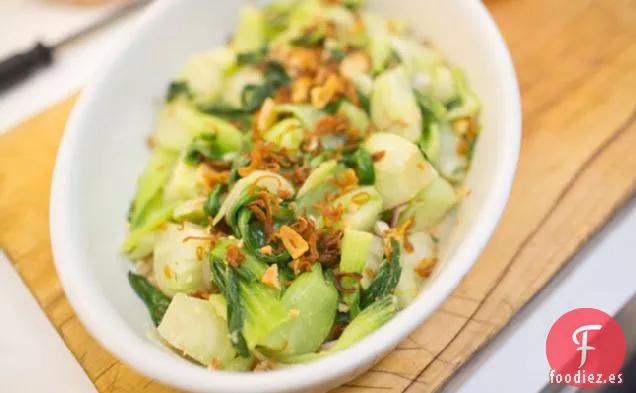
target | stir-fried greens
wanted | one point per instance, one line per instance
(297, 180)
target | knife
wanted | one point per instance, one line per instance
(19, 66)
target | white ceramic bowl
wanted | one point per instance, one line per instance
(104, 150)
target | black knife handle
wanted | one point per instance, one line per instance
(19, 66)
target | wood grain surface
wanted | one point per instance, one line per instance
(576, 62)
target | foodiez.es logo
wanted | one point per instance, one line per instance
(586, 348)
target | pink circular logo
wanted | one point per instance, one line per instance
(586, 348)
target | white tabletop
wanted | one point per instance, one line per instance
(602, 276)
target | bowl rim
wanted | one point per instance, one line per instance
(136, 353)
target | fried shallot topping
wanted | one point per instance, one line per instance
(234, 256)
(425, 267)
(262, 209)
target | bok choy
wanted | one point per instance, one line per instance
(299, 178)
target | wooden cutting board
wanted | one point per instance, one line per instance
(576, 61)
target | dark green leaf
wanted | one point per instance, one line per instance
(247, 196)
(254, 239)
(310, 39)
(432, 111)
(421, 144)
(276, 76)
(254, 57)
(213, 201)
(202, 148)
(332, 107)
(219, 272)
(226, 279)
(235, 312)
(454, 103)
(365, 103)
(336, 55)
(177, 88)
(238, 164)
(156, 302)
(386, 279)
(364, 167)
(223, 110)
(253, 96)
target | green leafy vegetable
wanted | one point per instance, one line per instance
(154, 221)
(357, 117)
(178, 88)
(250, 33)
(177, 256)
(212, 203)
(253, 96)
(356, 247)
(275, 75)
(265, 180)
(204, 74)
(150, 185)
(361, 207)
(191, 210)
(402, 171)
(386, 280)
(254, 237)
(194, 328)
(251, 269)
(227, 280)
(362, 162)
(286, 134)
(430, 205)
(365, 323)
(393, 105)
(156, 302)
(203, 148)
(314, 301)
(252, 57)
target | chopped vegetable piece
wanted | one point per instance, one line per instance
(150, 185)
(393, 105)
(369, 320)
(379, 43)
(193, 327)
(318, 177)
(361, 208)
(430, 205)
(191, 211)
(250, 34)
(402, 171)
(286, 134)
(265, 180)
(204, 74)
(182, 184)
(156, 219)
(410, 280)
(314, 300)
(179, 256)
(357, 117)
(356, 248)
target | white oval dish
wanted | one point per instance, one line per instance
(103, 151)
